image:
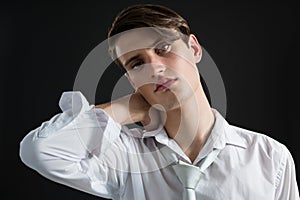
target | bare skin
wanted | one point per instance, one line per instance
(187, 113)
(118, 109)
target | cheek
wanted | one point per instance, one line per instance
(186, 70)
(143, 77)
(189, 75)
(184, 53)
(193, 74)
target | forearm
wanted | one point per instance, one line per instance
(126, 110)
(80, 129)
(62, 157)
(75, 132)
(72, 145)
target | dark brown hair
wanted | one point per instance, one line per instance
(146, 15)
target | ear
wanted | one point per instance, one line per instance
(130, 81)
(195, 47)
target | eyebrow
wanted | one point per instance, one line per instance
(131, 59)
(138, 55)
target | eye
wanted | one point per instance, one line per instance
(136, 65)
(163, 48)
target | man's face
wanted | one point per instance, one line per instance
(161, 68)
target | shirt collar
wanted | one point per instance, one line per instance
(222, 134)
(225, 134)
(231, 134)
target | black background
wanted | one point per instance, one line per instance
(42, 45)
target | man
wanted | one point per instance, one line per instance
(186, 149)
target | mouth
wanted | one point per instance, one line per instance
(164, 84)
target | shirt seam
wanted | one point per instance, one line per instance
(281, 167)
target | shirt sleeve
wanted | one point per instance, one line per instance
(78, 147)
(286, 184)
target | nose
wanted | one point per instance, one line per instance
(157, 69)
(152, 69)
(156, 66)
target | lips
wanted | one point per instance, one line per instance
(164, 84)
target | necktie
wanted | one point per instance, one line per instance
(190, 175)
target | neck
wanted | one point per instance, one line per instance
(190, 124)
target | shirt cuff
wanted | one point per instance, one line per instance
(72, 104)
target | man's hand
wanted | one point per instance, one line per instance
(129, 109)
(153, 118)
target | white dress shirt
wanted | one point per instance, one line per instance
(84, 148)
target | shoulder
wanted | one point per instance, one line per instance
(255, 136)
(263, 146)
(263, 141)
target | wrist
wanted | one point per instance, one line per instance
(138, 107)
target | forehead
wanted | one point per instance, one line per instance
(141, 38)
(133, 40)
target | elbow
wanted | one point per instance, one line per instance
(31, 152)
